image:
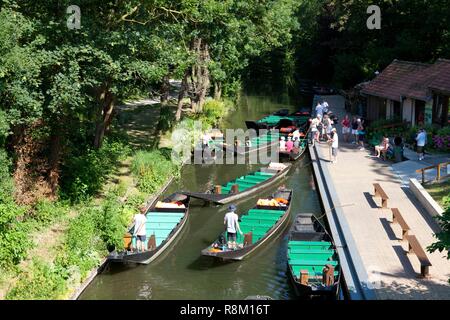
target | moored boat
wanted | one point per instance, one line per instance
(312, 259)
(259, 224)
(296, 153)
(165, 221)
(257, 144)
(244, 186)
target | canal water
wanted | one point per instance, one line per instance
(181, 272)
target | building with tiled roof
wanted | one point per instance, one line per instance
(418, 93)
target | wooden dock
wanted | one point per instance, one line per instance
(374, 254)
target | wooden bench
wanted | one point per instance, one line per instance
(398, 218)
(414, 246)
(379, 192)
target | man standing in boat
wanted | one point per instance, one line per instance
(140, 231)
(232, 224)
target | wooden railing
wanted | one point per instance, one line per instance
(438, 169)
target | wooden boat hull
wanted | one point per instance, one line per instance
(314, 231)
(225, 198)
(293, 156)
(246, 151)
(149, 256)
(245, 251)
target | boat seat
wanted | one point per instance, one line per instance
(255, 229)
(266, 211)
(275, 217)
(258, 179)
(308, 251)
(250, 183)
(312, 272)
(250, 222)
(165, 214)
(259, 173)
(253, 176)
(258, 219)
(163, 219)
(309, 243)
(245, 183)
(310, 262)
(316, 247)
(318, 255)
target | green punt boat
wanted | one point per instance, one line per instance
(244, 186)
(162, 228)
(295, 154)
(313, 264)
(259, 143)
(259, 225)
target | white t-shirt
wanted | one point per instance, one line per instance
(282, 144)
(296, 134)
(139, 225)
(335, 141)
(421, 139)
(314, 123)
(319, 109)
(231, 219)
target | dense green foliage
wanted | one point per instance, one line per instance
(152, 169)
(334, 46)
(443, 243)
(85, 175)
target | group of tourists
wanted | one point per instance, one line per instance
(354, 130)
(322, 129)
(292, 143)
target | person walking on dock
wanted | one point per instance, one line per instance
(319, 109)
(346, 128)
(315, 129)
(355, 130)
(232, 224)
(140, 231)
(421, 140)
(361, 134)
(334, 145)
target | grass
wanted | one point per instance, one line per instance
(438, 191)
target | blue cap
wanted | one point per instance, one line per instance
(232, 207)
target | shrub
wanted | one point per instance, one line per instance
(152, 170)
(42, 282)
(85, 175)
(14, 235)
(111, 222)
(45, 211)
(83, 246)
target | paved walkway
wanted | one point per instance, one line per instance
(392, 273)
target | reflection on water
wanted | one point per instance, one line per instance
(181, 272)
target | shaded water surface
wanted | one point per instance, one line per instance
(181, 273)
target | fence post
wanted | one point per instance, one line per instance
(439, 172)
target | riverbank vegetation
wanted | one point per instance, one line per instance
(71, 176)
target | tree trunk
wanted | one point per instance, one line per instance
(102, 126)
(165, 90)
(181, 95)
(55, 159)
(199, 75)
(217, 90)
